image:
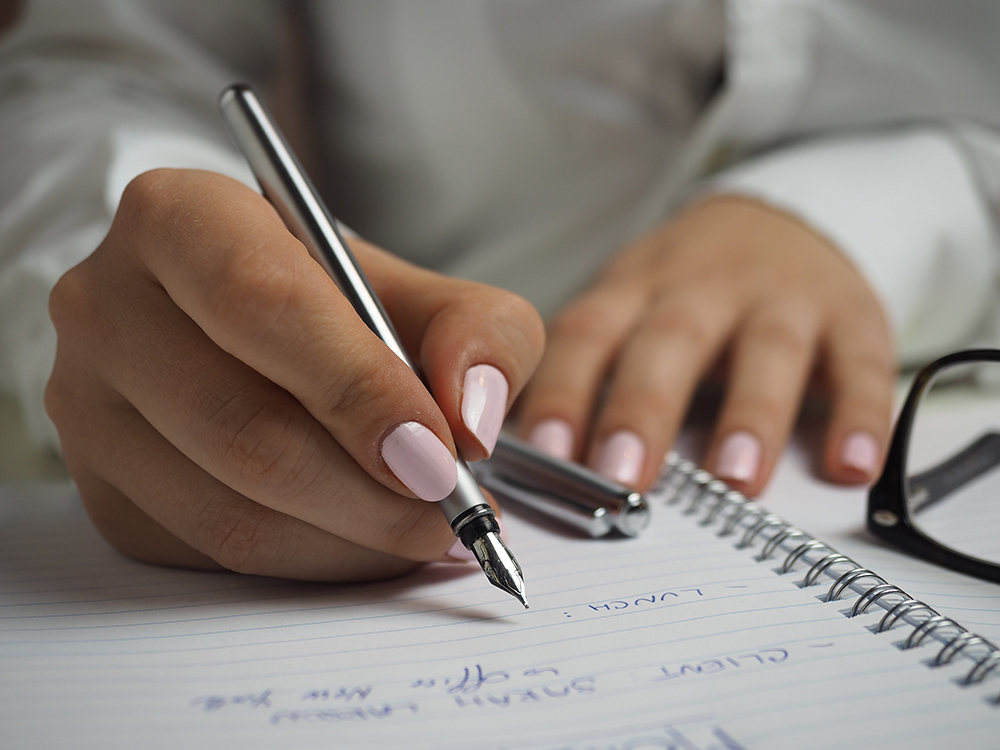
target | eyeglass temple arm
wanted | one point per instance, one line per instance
(928, 487)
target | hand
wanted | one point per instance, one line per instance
(727, 276)
(220, 403)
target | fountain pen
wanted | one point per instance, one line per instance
(286, 186)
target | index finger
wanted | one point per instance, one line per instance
(476, 345)
(232, 267)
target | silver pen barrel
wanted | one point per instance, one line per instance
(296, 200)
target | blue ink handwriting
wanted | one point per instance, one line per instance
(353, 713)
(217, 702)
(657, 598)
(580, 685)
(338, 694)
(710, 666)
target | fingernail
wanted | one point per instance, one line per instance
(860, 452)
(622, 456)
(484, 403)
(553, 436)
(420, 461)
(458, 553)
(739, 457)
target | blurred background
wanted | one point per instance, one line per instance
(19, 460)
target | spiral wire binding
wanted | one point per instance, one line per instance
(872, 595)
(775, 541)
(682, 482)
(820, 566)
(843, 583)
(908, 605)
(983, 667)
(796, 553)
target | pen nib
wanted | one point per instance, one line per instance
(499, 565)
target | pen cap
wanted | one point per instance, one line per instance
(566, 490)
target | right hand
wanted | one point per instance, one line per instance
(220, 404)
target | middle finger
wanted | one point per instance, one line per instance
(656, 374)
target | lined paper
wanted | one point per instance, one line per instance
(675, 640)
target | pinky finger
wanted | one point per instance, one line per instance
(133, 533)
(862, 375)
(151, 503)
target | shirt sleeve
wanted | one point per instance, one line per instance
(907, 209)
(93, 94)
(878, 124)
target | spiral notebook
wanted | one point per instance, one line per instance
(721, 628)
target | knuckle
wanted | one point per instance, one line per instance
(251, 289)
(240, 536)
(72, 300)
(520, 316)
(778, 336)
(869, 389)
(586, 320)
(264, 442)
(66, 396)
(651, 402)
(764, 412)
(866, 409)
(862, 316)
(57, 399)
(876, 365)
(356, 389)
(167, 212)
(500, 303)
(680, 322)
(513, 324)
(869, 370)
(150, 198)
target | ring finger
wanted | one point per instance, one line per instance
(772, 358)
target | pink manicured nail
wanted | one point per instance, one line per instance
(739, 457)
(484, 403)
(622, 457)
(553, 436)
(860, 452)
(420, 461)
(458, 553)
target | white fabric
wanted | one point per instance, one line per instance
(522, 142)
(925, 244)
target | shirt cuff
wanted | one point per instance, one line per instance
(905, 208)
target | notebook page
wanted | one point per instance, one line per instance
(676, 639)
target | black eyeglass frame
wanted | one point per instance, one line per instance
(888, 510)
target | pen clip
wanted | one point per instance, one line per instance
(562, 490)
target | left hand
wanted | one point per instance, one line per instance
(734, 276)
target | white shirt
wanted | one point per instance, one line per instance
(520, 142)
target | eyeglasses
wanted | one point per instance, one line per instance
(939, 494)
